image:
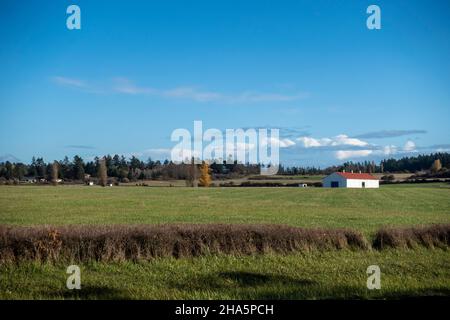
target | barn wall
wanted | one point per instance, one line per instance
(356, 183)
(350, 183)
(334, 177)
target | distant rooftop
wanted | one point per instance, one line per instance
(361, 176)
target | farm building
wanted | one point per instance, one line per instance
(350, 180)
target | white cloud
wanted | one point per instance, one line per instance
(386, 150)
(339, 140)
(286, 143)
(282, 143)
(346, 154)
(309, 142)
(409, 146)
(344, 140)
(389, 149)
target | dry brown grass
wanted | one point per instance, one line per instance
(143, 242)
(429, 236)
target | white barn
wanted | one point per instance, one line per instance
(350, 180)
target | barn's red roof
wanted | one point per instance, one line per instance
(361, 176)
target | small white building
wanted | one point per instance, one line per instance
(350, 180)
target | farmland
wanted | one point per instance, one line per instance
(363, 210)
(316, 275)
(303, 275)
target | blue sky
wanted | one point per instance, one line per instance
(137, 70)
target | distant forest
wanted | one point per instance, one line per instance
(123, 170)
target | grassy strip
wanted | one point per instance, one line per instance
(314, 275)
(365, 210)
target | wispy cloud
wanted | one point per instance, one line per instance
(124, 85)
(438, 147)
(389, 134)
(69, 82)
(78, 84)
(199, 95)
(285, 132)
(194, 93)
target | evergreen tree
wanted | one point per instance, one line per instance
(9, 170)
(78, 168)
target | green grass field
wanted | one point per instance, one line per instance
(319, 275)
(364, 210)
(315, 275)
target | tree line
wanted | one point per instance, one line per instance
(412, 164)
(117, 168)
(122, 169)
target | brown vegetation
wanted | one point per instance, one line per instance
(430, 237)
(55, 167)
(102, 173)
(205, 176)
(143, 242)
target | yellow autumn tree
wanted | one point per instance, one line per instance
(437, 165)
(205, 176)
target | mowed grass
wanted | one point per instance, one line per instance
(315, 275)
(361, 209)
